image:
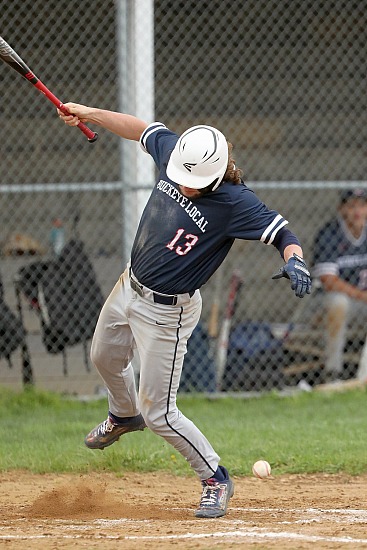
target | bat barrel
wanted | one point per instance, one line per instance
(11, 58)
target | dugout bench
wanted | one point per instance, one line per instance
(304, 344)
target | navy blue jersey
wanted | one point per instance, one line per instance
(338, 253)
(181, 242)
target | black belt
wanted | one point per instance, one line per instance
(166, 299)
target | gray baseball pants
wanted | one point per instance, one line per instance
(341, 312)
(159, 333)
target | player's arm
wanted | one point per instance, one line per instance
(333, 283)
(121, 124)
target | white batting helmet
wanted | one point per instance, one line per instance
(199, 159)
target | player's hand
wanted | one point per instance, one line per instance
(296, 270)
(78, 113)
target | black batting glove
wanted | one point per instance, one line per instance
(296, 270)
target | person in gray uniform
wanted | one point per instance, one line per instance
(340, 273)
(199, 205)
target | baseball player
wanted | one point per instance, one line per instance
(198, 207)
(340, 265)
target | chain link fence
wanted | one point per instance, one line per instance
(284, 81)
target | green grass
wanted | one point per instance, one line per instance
(306, 433)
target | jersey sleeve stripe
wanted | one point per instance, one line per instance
(272, 229)
(272, 236)
(325, 268)
(148, 131)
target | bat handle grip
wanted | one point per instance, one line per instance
(92, 136)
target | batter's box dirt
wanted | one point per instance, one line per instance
(155, 511)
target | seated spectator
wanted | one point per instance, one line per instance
(340, 268)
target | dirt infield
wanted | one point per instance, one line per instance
(150, 511)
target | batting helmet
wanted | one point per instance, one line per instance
(199, 159)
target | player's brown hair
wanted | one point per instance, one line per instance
(232, 173)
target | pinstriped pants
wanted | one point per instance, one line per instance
(159, 333)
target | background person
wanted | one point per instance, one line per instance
(340, 266)
(197, 208)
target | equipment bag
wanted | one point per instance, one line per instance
(67, 296)
(255, 360)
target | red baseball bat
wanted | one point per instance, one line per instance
(11, 58)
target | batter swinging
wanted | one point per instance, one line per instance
(198, 207)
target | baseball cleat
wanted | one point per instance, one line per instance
(107, 432)
(215, 497)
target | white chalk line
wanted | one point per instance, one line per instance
(253, 533)
(337, 515)
(346, 511)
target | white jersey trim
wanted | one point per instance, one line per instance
(272, 236)
(273, 229)
(149, 130)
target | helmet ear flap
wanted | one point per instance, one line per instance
(212, 187)
(216, 184)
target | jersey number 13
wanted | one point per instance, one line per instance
(191, 240)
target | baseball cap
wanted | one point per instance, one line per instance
(358, 193)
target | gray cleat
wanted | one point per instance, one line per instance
(215, 497)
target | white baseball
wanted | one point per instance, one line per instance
(261, 469)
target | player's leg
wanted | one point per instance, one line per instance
(362, 366)
(338, 307)
(161, 334)
(359, 318)
(111, 353)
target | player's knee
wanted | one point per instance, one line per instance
(108, 358)
(98, 353)
(338, 301)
